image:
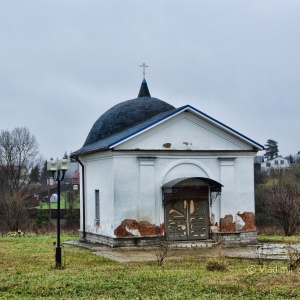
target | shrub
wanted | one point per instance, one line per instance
(294, 256)
(42, 217)
(163, 249)
(216, 265)
(72, 218)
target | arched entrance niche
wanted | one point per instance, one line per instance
(187, 191)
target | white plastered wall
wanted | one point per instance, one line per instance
(98, 176)
(130, 185)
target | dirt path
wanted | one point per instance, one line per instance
(128, 254)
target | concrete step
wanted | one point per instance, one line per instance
(193, 244)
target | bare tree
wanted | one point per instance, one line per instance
(280, 198)
(13, 211)
(18, 156)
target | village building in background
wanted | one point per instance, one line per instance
(277, 163)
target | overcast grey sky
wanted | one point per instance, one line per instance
(64, 63)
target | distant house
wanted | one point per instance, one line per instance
(276, 163)
(297, 157)
(71, 173)
(75, 180)
(71, 179)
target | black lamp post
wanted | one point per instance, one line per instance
(58, 169)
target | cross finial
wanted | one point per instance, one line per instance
(144, 66)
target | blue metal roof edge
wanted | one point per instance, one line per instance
(176, 112)
(143, 128)
(227, 127)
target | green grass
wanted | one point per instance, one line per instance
(278, 239)
(53, 205)
(27, 272)
(63, 203)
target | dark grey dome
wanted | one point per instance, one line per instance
(125, 115)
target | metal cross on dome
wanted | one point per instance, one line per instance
(144, 66)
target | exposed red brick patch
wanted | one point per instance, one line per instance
(227, 224)
(249, 219)
(144, 228)
(121, 231)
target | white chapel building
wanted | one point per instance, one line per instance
(149, 169)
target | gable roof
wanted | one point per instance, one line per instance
(115, 139)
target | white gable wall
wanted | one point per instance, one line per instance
(185, 131)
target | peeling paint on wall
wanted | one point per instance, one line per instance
(249, 221)
(134, 232)
(239, 222)
(130, 228)
(167, 145)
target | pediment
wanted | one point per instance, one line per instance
(188, 130)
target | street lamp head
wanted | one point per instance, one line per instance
(51, 165)
(65, 164)
(58, 165)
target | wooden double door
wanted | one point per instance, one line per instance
(187, 215)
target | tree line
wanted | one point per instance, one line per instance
(19, 155)
(22, 173)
